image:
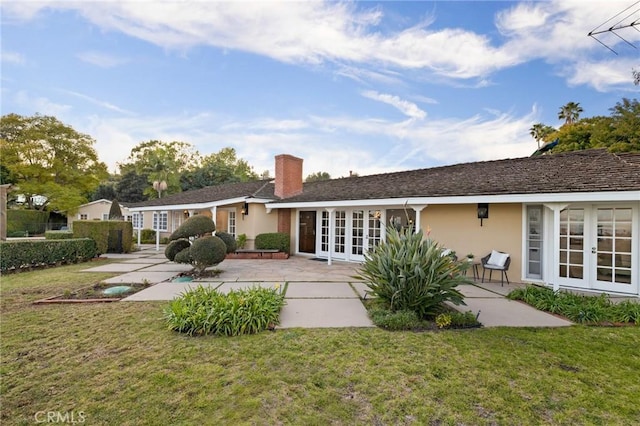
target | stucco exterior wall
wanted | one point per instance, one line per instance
(458, 228)
(94, 211)
(256, 222)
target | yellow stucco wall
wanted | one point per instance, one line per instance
(458, 228)
(256, 222)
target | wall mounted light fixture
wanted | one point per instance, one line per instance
(483, 211)
(245, 209)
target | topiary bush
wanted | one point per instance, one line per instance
(106, 233)
(206, 252)
(195, 226)
(175, 247)
(229, 241)
(204, 310)
(273, 241)
(184, 256)
(409, 273)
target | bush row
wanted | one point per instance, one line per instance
(578, 308)
(273, 241)
(16, 255)
(21, 223)
(58, 235)
(111, 236)
(204, 310)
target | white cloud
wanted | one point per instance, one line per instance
(349, 36)
(13, 58)
(103, 60)
(407, 108)
(98, 102)
(604, 76)
(41, 105)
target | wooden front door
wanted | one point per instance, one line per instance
(307, 232)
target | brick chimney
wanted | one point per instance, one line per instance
(288, 176)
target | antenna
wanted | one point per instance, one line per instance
(631, 19)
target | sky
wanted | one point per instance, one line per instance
(366, 87)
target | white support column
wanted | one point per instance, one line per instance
(157, 230)
(555, 267)
(214, 215)
(331, 229)
(417, 209)
(139, 236)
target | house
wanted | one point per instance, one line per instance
(97, 210)
(567, 220)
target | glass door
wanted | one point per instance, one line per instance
(613, 249)
(571, 268)
(357, 234)
(534, 242)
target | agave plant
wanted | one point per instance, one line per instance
(410, 273)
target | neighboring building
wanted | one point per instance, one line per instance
(97, 210)
(567, 220)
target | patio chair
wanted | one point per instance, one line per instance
(496, 261)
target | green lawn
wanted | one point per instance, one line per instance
(117, 364)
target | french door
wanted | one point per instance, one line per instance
(366, 231)
(612, 250)
(349, 234)
(599, 248)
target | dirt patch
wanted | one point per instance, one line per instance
(95, 293)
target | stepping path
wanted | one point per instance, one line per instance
(317, 296)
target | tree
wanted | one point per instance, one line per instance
(49, 160)
(115, 213)
(131, 186)
(540, 131)
(163, 161)
(318, 176)
(105, 191)
(570, 112)
(221, 167)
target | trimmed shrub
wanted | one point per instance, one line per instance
(175, 247)
(394, 321)
(58, 235)
(229, 241)
(16, 255)
(148, 236)
(106, 233)
(195, 226)
(408, 273)
(21, 223)
(203, 310)
(183, 256)
(115, 212)
(273, 241)
(206, 252)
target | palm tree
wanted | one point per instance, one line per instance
(570, 112)
(540, 131)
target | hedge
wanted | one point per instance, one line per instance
(105, 234)
(26, 222)
(16, 255)
(273, 241)
(58, 235)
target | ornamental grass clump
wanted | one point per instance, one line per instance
(409, 273)
(206, 311)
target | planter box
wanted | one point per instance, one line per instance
(257, 254)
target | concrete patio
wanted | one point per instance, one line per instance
(318, 294)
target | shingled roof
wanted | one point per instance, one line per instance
(227, 191)
(592, 170)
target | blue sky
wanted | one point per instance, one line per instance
(362, 86)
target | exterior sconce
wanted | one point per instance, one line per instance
(483, 211)
(245, 210)
(185, 214)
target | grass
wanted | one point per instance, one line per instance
(117, 364)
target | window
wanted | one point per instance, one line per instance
(534, 242)
(105, 216)
(138, 220)
(83, 216)
(161, 224)
(572, 243)
(231, 223)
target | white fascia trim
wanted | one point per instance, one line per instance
(194, 206)
(573, 197)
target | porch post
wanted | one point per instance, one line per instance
(417, 209)
(556, 208)
(157, 214)
(331, 226)
(214, 215)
